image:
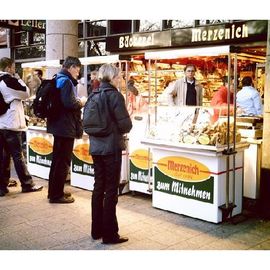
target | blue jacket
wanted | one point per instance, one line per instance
(122, 124)
(68, 122)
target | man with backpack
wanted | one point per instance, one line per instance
(12, 124)
(65, 126)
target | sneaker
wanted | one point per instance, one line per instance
(63, 199)
(3, 191)
(66, 194)
(32, 189)
(12, 183)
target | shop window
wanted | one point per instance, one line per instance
(30, 52)
(96, 28)
(169, 24)
(146, 26)
(205, 22)
(38, 38)
(3, 37)
(20, 38)
(120, 26)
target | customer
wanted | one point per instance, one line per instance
(65, 128)
(94, 82)
(39, 73)
(107, 157)
(12, 123)
(187, 90)
(220, 98)
(248, 99)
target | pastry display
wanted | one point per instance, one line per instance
(191, 125)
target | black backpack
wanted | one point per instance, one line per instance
(96, 114)
(47, 101)
(3, 105)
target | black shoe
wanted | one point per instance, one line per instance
(3, 191)
(117, 240)
(12, 183)
(66, 194)
(96, 237)
(63, 200)
(32, 189)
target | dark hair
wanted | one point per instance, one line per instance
(71, 61)
(39, 72)
(225, 79)
(189, 65)
(247, 81)
(5, 62)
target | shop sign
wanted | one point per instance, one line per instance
(139, 160)
(82, 162)
(138, 41)
(229, 33)
(40, 151)
(28, 25)
(184, 177)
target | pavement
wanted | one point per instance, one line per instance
(29, 222)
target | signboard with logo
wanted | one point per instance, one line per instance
(194, 183)
(140, 158)
(82, 168)
(219, 34)
(39, 152)
(27, 25)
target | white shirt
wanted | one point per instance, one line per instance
(249, 100)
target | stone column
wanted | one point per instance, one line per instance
(61, 41)
(265, 171)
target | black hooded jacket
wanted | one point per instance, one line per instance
(121, 124)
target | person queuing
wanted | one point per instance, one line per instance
(12, 124)
(107, 157)
(65, 127)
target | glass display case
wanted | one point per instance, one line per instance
(204, 127)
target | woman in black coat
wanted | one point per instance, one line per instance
(107, 157)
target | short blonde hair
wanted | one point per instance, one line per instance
(108, 72)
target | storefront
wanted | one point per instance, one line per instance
(154, 66)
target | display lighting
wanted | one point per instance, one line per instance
(180, 53)
(40, 64)
(94, 60)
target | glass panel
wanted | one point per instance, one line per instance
(96, 28)
(204, 22)
(20, 38)
(30, 52)
(39, 38)
(168, 24)
(3, 36)
(146, 25)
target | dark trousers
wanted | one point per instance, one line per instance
(105, 195)
(11, 145)
(61, 159)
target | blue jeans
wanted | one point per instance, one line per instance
(11, 145)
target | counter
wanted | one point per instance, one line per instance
(191, 179)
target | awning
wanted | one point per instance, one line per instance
(179, 53)
(40, 64)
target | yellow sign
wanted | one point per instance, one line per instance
(141, 159)
(81, 151)
(41, 146)
(184, 169)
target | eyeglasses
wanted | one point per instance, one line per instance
(188, 70)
